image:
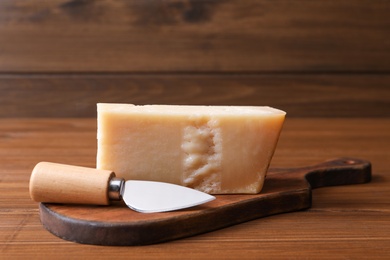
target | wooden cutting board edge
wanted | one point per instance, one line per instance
(226, 210)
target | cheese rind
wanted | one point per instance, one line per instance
(215, 149)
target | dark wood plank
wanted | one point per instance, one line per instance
(192, 35)
(299, 95)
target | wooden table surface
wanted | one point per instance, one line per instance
(344, 222)
(326, 63)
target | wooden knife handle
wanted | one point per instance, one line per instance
(61, 183)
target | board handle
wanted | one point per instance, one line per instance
(61, 183)
(341, 171)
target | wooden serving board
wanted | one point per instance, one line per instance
(285, 190)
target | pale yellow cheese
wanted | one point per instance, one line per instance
(215, 149)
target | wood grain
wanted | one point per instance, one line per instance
(315, 59)
(77, 184)
(326, 95)
(344, 221)
(194, 36)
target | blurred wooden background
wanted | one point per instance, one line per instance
(311, 58)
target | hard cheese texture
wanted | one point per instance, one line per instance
(215, 149)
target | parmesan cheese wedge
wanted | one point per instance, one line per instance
(214, 149)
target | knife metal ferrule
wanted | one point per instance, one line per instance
(115, 188)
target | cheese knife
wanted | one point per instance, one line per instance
(62, 183)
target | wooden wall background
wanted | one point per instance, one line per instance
(319, 58)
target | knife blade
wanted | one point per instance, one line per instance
(62, 183)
